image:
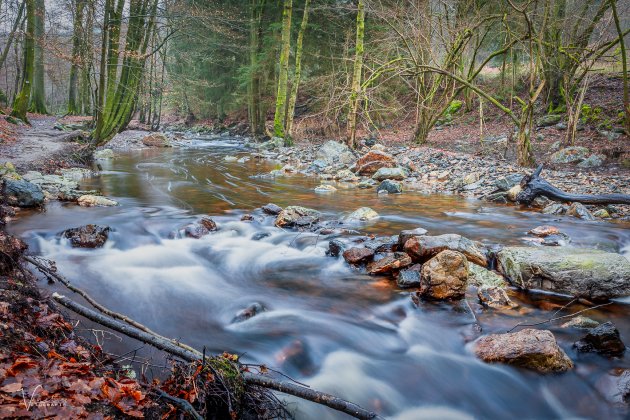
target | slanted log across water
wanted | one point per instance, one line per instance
(533, 186)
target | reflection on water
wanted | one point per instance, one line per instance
(323, 322)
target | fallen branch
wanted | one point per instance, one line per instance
(168, 346)
(183, 404)
(554, 318)
(533, 186)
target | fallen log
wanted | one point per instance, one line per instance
(533, 186)
(167, 346)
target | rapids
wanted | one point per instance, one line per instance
(325, 324)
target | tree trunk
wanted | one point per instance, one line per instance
(73, 107)
(100, 105)
(16, 25)
(283, 77)
(298, 69)
(256, 122)
(356, 77)
(38, 92)
(624, 63)
(20, 104)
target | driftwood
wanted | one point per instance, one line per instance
(168, 346)
(533, 186)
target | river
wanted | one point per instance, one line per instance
(325, 324)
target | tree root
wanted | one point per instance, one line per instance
(533, 186)
(259, 380)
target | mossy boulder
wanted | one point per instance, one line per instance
(580, 272)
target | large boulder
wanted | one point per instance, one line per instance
(573, 154)
(156, 140)
(581, 272)
(63, 186)
(531, 349)
(22, 193)
(88, 236)
(296, 216)
(445, 276)
(333, 152)
(422, 248)
(374, 160)
(389, 186)
(397, 174)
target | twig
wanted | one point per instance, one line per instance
(183, 404)
(558, 318)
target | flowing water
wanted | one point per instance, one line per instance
(325, 323)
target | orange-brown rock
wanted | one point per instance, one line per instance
(444, 276)
(373, 161)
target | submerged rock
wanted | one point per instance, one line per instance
(358, 255)
(335, 247)
(96, 200)
(542, 231)
(208, 223)
(587, 273)
(444, 276)
(531, 349)
(362, 214)
(374, 160)
(249, 312)
(580, 322)
(296, 216)
(22, 193)
(421, 248)
(88, 236)
(325, 188)
(603, 339)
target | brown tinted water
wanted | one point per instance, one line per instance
(325, 324)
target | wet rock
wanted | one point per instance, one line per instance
(507, 182)
(574, 154)
(531, 349)
(358, 255)
(549, 120)
(260, 235)
(581, 272)
(296, 216)
(444, 276)
(603, 339)
(421, 248)
(95, 201)
(208, 223)
(593, 161)
(559, 239)
(156, 140)
(556, 209)
(22, 193)
(513, 193)
(615, 386)
(383, 244)
(397, 174)
(195, 231)
(271, 209)
(499, 197)
(481, 277)
(88, 236)
(578, 210)
(103, 154)
(601, 214)
(249, 312)
(405, 235)
(325, 188)
(247, 218)
(59, 186)
(580, 322)
(374, 160)
(545, 230)
(494, 297)
(333, 152)
(367, 183)
(362, 214)
(345, 175)
(271, 144)
(410, 277)
(335, 247)
(392, 187)
(391, 263)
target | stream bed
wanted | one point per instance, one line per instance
(325, 323)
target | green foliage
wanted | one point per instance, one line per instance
(590, 115)
(450, 111)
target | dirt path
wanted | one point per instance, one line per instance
(38, 145)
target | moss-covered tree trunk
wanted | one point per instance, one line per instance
(298, 70)
(624, 63)
(77, 35)
(38, 91)
(20, 104)
(279, 128)
(355, 95)
(256, 121)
